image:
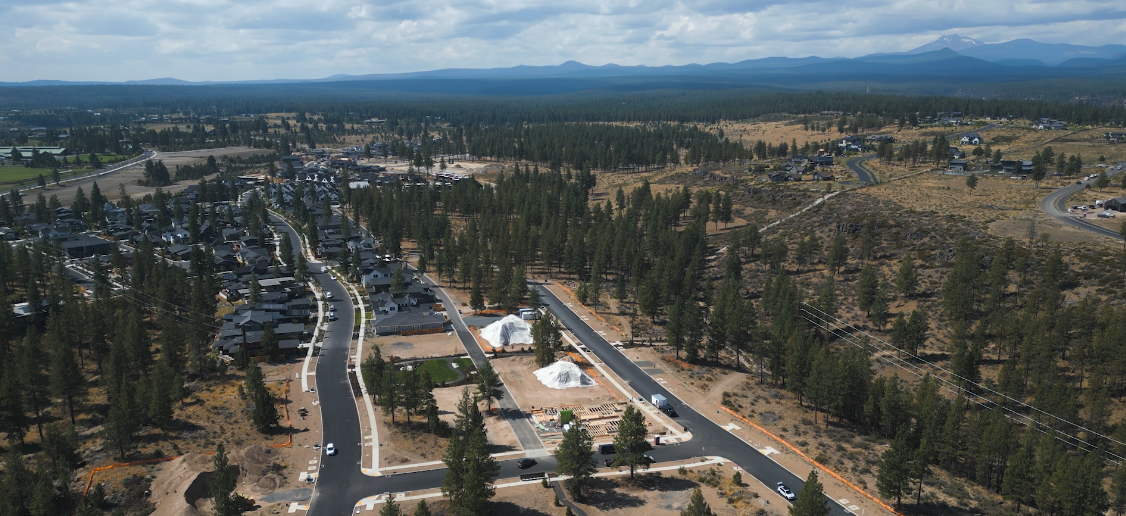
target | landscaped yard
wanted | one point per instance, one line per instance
(440, 372)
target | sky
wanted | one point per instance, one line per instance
(225, 40)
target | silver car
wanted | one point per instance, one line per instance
(786, 493)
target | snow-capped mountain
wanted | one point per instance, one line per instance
(955, 42)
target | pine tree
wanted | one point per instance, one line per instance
(371, 371)
(122, 423)
(422, 509)
(470, 469)
(698, 507)
(894, 472)
(489, 385)
(838, 254)
(630, 442)
(906, 279)
(265, 414)
(222, 485)
(811, 499)
(67, 380)
(866, 285)
(12, 412)
(575, 459)
(546, 340)
(162, 395)
(879, 312)
(390, 508)
(270, 344)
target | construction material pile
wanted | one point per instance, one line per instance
(564, 375)
(508, 331)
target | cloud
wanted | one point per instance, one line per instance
(264, 39)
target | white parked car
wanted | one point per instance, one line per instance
(782, 490)
(328, 295)
(1107, 215)
(330, 449)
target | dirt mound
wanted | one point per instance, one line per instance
(181, 486)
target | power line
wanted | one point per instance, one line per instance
(824, 321)
(129, 294)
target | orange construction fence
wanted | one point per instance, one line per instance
(811, 461)
(572, 294)
(90, 478)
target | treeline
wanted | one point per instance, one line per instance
(53, 360)
(602, 146)
(353, 104)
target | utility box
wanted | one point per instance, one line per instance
(659, 401)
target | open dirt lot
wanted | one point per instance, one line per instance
(518, 375)
(417, 346)
(651, 494)
(111, 184)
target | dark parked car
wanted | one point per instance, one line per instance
(669, 411)
(606, 449)
(525, 463)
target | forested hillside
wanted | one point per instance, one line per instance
(1023, 401)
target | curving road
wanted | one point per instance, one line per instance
(1054, 204)
(857, 166)
(341, 483)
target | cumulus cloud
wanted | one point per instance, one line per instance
(263, 39)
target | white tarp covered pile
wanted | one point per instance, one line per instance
(507, 332)
(564, 375)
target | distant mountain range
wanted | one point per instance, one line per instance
(1021, 52)
(951, 58)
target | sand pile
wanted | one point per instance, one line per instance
(508, 331)
(564, 375)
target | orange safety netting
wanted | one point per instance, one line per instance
(811, 461)
(572, 294)
(90, 478)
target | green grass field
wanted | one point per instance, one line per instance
(440, 372)
(16, 174)
(11, 175)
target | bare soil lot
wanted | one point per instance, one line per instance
(518, 374)
(417, 346)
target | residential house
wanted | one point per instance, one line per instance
(971, 139)
(1116, 204)
(958, 165)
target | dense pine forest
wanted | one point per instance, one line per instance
(1042, 434)
(355, 106)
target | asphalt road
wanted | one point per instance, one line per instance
(862, 173)
(866, 176)
(340, 474)
(520, 421)
(1055, 205)
(707, 437)
(341, 483)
